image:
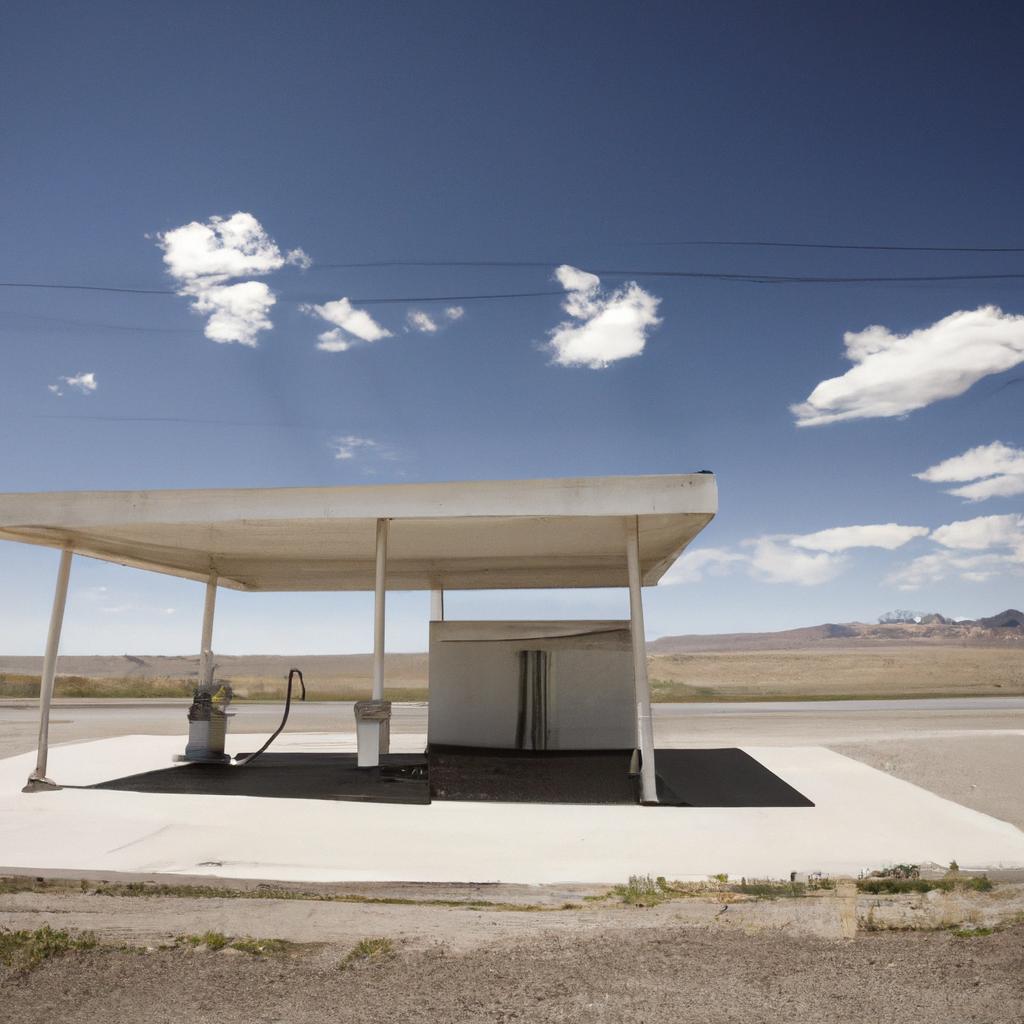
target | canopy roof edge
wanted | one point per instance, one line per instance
(474, 535)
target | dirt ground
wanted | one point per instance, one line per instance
(689, 960)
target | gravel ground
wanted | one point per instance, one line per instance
(651, 975)
(709, 957)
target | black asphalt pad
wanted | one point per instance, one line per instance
(727, 777)
(686, 778)
(532, 776)
(400, 779)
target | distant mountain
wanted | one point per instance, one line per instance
(1010, 619)
(932, 629)
(904, 616)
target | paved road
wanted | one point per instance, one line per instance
(766, 724)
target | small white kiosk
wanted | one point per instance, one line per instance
(525, 685)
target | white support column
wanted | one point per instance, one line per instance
(38, 780)
(206, 642)
(437, 605)
(645, 728)
(378, 609)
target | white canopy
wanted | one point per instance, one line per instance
(453, 536)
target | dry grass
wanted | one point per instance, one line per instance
(245, 689)
(889, 671)
(835, 674)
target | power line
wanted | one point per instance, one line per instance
(844, 246)
(456, 298)
(87, 288)
(697, 275)
(692, 275)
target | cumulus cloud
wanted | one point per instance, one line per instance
(775, 560)
(222, 248)
(237, 312)
(982, 533)
(974, 550)
(204, 256)
(895, 374)
(604, 327)
(431, 323)
(841, 538)
(420, 321)
(934, 568)
(695, 565)
(84, 383)
(996, 469)
(350, 325)
(350, 447)
(785, 558)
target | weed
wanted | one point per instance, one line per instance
(970, 933)
(211, 940)
(262, 947)
(25, 950)
(769, 890)
(979, 883)
(643, 891)
(368, 950)
(894, 885)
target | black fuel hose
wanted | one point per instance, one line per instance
(287, 707)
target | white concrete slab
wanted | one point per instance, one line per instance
(863, 818)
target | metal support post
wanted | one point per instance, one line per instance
(645, 728)
(378, 609)
(38, 780)
(373, 717)
(206, 642)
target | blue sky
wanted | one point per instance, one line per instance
(598, 137)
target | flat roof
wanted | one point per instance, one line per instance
(494, 534)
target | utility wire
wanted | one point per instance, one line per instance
(699, 275)
(844, 246)
(696, 275)
(87, 288)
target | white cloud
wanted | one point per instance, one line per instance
(348, 322)
(426, 323)
(997, 470)
(238, 312)
(999, 538)
(775, 561)
(604, 328)
(940, 565)
(203, 257)
(982, 533)
(223, 248)
(420, 321)
(84, 383)
(783, 558)
(694, 565)
(895, 374)
(351, 446)
(841, 538)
